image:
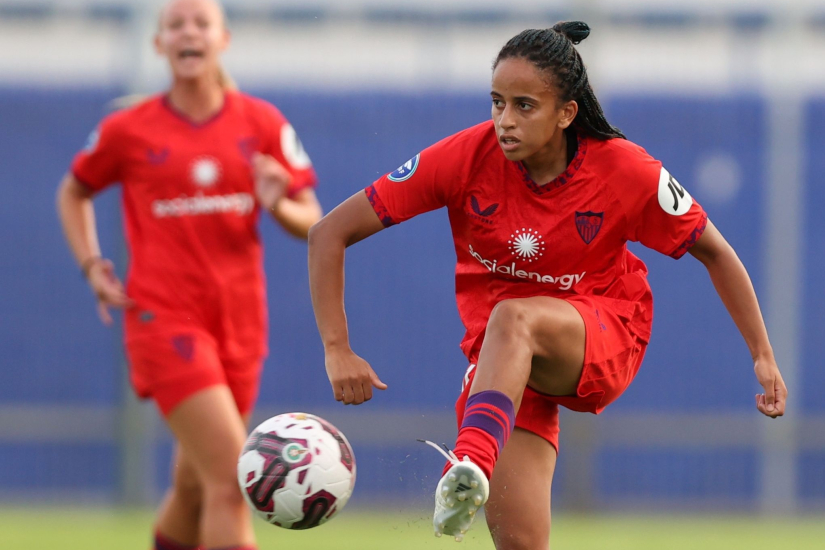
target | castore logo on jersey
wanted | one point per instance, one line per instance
(481, 214)
(158, 157)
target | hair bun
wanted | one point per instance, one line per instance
(575, 31)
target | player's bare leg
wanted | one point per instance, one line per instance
(212, 433)
(537, 341)
(180, 512)
(513, 525)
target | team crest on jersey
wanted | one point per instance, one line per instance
(588, 225)
(406, 170)
(248, 146)
(527, 244)
(205, 171)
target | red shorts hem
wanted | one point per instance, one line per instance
(612, 357)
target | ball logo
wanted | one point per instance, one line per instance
(527, 244)
(673, 198)
(406, 170)
(294, 453)
(205, 171)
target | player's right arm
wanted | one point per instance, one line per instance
(351, 377)
(94, 168)
(424, 183)
(77, 215)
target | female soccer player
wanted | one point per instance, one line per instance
(542, 201)
(197, 164)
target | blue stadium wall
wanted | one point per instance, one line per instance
(54, 351)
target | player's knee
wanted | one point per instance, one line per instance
(510, 319)
(507, 538)
(187, 485)
(223, 493)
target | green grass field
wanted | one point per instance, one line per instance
(38, 529)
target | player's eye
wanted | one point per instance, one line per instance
(525, 106)
(497, 102)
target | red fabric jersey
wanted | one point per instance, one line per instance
(515, 239)
(190, 209)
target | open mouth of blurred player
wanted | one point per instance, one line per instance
(191, 56)
(509, 142)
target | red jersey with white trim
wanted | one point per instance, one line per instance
(190, 209)
(515, 239)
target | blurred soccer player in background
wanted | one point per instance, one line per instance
(198, 164)
(542, 201)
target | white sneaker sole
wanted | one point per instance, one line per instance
(461, 492)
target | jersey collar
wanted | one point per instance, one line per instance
(562, 179)
(227, 98)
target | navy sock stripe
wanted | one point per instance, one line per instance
(491, 412)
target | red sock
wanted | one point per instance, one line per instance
(489, 419)
(164, 543)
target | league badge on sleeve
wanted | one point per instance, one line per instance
(91, 141)
(673, 198)
(406, 170)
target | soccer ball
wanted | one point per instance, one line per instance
(296, 471)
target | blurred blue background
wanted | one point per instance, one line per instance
(685, 435)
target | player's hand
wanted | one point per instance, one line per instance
(271, 180)
(351, 377)
(107, 288)
(772, 402)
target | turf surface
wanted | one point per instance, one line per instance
(41, 529)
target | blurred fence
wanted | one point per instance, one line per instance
(685, 434)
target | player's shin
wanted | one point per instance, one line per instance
(489, 419)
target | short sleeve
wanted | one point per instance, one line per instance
(425, 182)
(664, 217)
(100, 162)
(282, 143)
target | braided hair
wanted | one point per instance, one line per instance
(551, 50)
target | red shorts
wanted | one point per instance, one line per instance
(170, 361)
(612, 357)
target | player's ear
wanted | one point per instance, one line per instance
(568, 113)
(158, 45)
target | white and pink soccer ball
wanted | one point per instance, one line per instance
(296, 471)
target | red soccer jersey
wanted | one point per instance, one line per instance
(516, 239)
(190, 209)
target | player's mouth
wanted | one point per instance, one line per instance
(509, 142)
(190, 53)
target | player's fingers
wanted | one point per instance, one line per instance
(357, 394)
(348, 394)
(377, 381)
(367, 389)
(338, 392)
(770, 397)
(103, 313)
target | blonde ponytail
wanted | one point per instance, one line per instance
(226, 81)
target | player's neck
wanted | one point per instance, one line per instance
(196, 100)
(549, 162)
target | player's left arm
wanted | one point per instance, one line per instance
(735, 288)
(296, 212)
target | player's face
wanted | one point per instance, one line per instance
(192, 36)
(527, 112)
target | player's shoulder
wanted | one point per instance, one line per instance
(255, 106)
(130, 113)
(470, 142)
(622, 161)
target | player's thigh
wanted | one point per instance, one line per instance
(556, 334)
(518, 511)
(211, 433)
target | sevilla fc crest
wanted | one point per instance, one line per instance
(588, 225)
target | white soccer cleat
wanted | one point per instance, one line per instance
(461, 492)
